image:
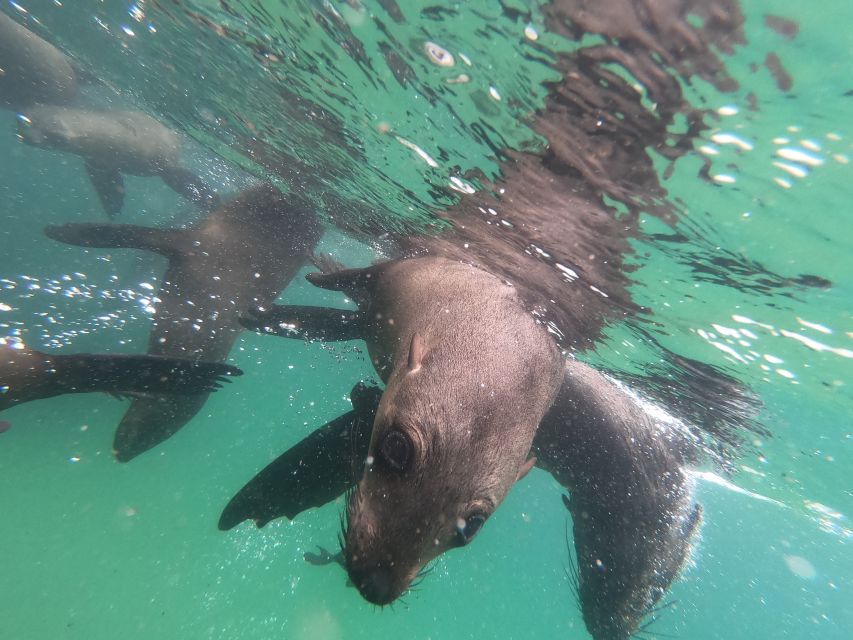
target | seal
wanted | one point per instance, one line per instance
(631, 503)
(26, 375)
(466, 369)
(33, 70)
(242, 255)
(112, 143)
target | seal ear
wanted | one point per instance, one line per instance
(416, 352)
(525, 468)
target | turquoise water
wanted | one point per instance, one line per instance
(94, 549)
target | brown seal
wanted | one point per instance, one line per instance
(631, 502)
(467, 369)
(242, 255)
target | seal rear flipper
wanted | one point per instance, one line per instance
(138, 374)
(314, 472)
(167, 242)
(354, 282)
(152, 419)
(312, 323)
(190, 186)
(109, 185)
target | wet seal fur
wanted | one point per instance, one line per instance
(112, 143)
(27, 375)
(466, 369)
(242, 255)
(631, 503)
(33, 69)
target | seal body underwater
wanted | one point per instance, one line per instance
(469, 374)
(33, 70)
(26, 374)
(113, 143)
(241, 255)
(631, 503)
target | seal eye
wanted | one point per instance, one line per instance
(469, 527)
(396, 450)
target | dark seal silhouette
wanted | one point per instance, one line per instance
(33, 70)
(242, 255)
(27, 375)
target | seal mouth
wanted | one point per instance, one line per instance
(376, 585)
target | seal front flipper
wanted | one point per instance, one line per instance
(190, 186)
(312, 323)
(109, 185)
(167, 242)
(315, 471)
(631, 502)
(323, 557)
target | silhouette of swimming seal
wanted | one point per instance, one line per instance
(27, 375)
(241, 255)
(112, 143)
(33, 70)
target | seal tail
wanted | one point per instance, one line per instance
(167, 242)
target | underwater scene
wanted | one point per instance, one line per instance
(344, 319)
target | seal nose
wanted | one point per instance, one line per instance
(375, 585)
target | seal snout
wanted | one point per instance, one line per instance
(375, 584)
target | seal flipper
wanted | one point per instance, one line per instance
(354, 282)
(190, 186)
(315, 471)
(109, 185)
(631, 503)
(167, 242)
(32, 375)
(124, 374)
(312, 323)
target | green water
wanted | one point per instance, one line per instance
(94, 549)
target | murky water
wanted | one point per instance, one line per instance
(719, 165)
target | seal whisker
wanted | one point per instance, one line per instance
(644, 629)
(652, 610)
(572, 570)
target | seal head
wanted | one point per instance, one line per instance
(451, 436)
